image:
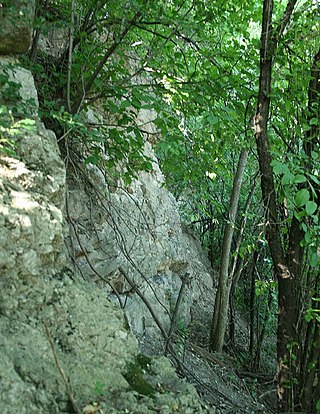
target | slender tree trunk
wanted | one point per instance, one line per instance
(256, 360)
(211, 236)
(311, 385)
(233, 274)
(232, 323)
(252, 304)
(221, 306)
(287, 280)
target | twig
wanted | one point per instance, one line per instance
(145, 301)
(70, 55)
(98, 69)
(265, 394)
(66, 380)
(64, 135)
(88, 260)
(175, 312)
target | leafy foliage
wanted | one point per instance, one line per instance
(10, 129)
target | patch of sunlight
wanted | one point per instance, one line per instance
(21, 200)
(211, 175)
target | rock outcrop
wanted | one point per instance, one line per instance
(137, 228)
(63, 343)
(16, 17)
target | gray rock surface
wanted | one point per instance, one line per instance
(16, 17)
(48, 311)
(17, 89)
(31, 198)
(138, 228)
(91, 343)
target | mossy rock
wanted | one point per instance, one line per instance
(135, 375)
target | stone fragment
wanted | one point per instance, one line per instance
(17, 89)
(16, 17)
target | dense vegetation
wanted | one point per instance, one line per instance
(234, 87)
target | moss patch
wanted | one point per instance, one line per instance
(135, 375)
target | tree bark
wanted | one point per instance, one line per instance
(252, 308)
(310, 358)
(287, 279)
(233, 274)
(232, 322)
(221, 306)
(256, 359)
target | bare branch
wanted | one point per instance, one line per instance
(145, 301)
(109, 52)
(66, 380)
(70, 55)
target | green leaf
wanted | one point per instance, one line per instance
(112, 107)
(314, 121)
(279, 167)
(92, 159)
(288, 178)
(314, 258)
(307, 237)
(3, 109)
(125, 104)
(299, 215)
(314, 178)
(212, 120)
(300, 179)
(302, 197)
(311, 207)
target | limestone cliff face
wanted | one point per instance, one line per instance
(137, 228)
(44, 300)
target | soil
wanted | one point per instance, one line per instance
(223, 381)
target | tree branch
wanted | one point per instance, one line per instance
(145, 301)
(109, 52)
(70, 55)
(66, 380)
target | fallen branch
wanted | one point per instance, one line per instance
(145, 301)
(88, 260)
(66, 380)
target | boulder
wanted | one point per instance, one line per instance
(17, 89)
(16, 18)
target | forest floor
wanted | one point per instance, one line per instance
(223, 381)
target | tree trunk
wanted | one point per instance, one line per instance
(287, 280)
(233, 274)
(232, 322)
(256, 360)
(221, 306)
(252, 303)
(311, 386)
